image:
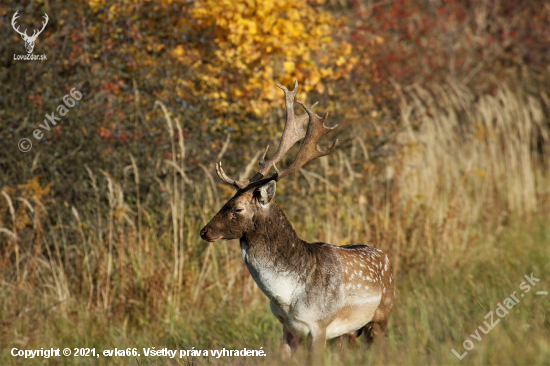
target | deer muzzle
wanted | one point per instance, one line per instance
(206, 234)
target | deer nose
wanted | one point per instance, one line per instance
(203, 233)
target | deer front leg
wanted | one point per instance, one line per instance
(290, 343)
(318, 343)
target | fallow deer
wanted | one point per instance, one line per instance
(315, 289)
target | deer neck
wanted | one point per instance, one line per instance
(272, 243)
(271, 235)
(274, 255)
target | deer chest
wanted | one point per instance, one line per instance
(278, 285)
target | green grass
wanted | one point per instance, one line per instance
(438, 307)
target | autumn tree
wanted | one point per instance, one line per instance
(224, 57)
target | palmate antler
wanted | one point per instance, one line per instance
(292, 133)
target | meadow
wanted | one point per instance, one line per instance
(456, 250)
(99, 224)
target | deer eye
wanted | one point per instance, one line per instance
(239, 210)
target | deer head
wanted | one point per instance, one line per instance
(239, 215)
(29, 40)
(253, 202)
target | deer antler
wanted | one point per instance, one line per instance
(13, 25)
(308, 151)
(292, 133)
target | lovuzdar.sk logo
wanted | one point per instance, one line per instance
(29, 40)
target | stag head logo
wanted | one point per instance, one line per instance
(29, 40)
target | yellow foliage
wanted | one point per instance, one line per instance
(33, 189)
(230, 52)
(178, 51)
(268, 42)
(289, 66)
(346, 48)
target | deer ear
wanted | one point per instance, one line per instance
(267, 192)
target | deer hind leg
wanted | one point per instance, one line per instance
(345, 341)
(376, 329)
(337, 344)
(352, 337)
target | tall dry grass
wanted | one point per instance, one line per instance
(463, 167)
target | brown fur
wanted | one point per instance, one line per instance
(332, 277)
